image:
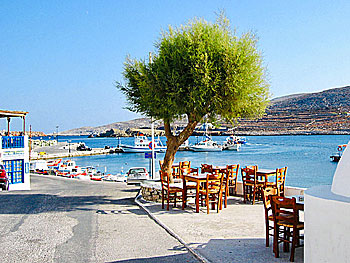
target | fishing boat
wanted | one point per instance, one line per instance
(232, 143)
(142, 145)
(206, 145)
(66, 168)
(54, 164)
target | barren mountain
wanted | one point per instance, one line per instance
(326, 112)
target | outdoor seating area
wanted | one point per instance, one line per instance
(210, 188)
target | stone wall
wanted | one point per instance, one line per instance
(151, 194)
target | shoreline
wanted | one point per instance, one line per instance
(226, 134)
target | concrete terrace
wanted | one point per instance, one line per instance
(235, 234)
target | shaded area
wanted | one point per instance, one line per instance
(186, 257)
(43, 203)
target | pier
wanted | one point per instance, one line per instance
(66, 150)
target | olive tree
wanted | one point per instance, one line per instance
(198, 70)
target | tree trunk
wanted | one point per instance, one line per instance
(173, 144)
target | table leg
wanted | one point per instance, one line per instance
(184, 194)
(197, 198)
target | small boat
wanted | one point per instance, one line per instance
(206, 145)
(232, 143)
(142, 145)
(241, 140)
(54, 163)
(336, 157)
(66, 168)
(97, 176)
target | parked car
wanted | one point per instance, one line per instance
(4, 180)
(136, 175)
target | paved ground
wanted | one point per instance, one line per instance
(66, 220)
(236, 234)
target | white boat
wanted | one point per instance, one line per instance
(232, 143)
(142, 144)
(207, 145)
(66, 168)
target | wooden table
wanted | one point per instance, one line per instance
(300, 201)
(266, 173)
(221, 168)
(200, 178)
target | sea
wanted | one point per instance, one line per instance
(306, 156)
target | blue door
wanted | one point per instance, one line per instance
(15, 171)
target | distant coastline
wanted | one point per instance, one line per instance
(326, 112)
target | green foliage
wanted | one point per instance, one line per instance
(199, 69)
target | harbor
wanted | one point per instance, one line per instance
(296, 152)
(64, 149)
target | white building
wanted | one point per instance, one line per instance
(327, 217)
(14, 153)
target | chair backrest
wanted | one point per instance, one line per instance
(281, 179)
(232, 171)
(176, 171)
(206, 168)
(284, 209)
(267, 193)
(165, 180)
(249, 174)
(184, 168)
(185, 164)
(214, 183)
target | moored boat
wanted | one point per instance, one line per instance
(142, 145)
(206, 145)
(232, 143)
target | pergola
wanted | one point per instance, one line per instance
(12, 114)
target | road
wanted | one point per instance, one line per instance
(67, 220)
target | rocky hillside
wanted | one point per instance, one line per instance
(326, 112)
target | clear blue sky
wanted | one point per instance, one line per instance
(59, 59)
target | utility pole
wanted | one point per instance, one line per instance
(57, 133)
(153, 167)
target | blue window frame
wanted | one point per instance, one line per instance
(9, 142)
(15, 171)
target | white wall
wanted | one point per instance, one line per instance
(327, 226)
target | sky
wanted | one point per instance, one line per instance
(59, 60)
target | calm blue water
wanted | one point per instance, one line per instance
(307, 157)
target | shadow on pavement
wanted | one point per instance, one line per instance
(186, 257)
(42, 203)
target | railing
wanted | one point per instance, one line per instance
(9, 142)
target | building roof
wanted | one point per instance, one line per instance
(10, 113)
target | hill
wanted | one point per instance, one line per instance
(326, 112)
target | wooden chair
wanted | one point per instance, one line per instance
(211, 192)
(267, 193)
(170, 190)
(184, 169)
(280, 179)
(206, 168)
(232, 173)
(285, 216)
(251, 186)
